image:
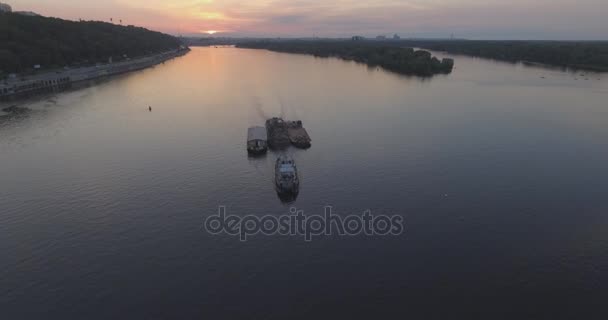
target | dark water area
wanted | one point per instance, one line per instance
(499, 170)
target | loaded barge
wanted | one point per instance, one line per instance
(298, 135)
(278, 137)
(282, 133)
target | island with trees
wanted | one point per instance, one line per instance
(36, 42)
(407, 61)
(574, 55)
(585, 55)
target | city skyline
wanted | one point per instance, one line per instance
(472, 19)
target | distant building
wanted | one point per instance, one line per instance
(381, 37)
(5, 7)
(358, 38)
(396, 37)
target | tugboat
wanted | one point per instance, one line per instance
(257, 140)
(286, 177)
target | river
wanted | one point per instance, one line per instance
(499, 171)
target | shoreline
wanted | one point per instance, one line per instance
(59, 80)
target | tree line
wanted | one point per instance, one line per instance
(393, 58)
(590, 55)
(26, 41)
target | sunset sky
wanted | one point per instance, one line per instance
(474, 19)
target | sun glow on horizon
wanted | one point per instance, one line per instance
(211, 32)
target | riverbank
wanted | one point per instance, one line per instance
(24, 86)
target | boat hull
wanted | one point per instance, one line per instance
(257, 151)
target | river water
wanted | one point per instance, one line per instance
(499, 170)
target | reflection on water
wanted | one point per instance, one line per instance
(499, 173)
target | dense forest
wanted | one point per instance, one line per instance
(590, 55)
(390, 57)
(26, 41)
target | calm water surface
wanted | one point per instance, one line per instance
(501, 176)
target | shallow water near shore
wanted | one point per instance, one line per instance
(500, 175)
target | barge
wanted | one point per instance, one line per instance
(283, 133)
(278, 137)
(257, 140)
(298, 136)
